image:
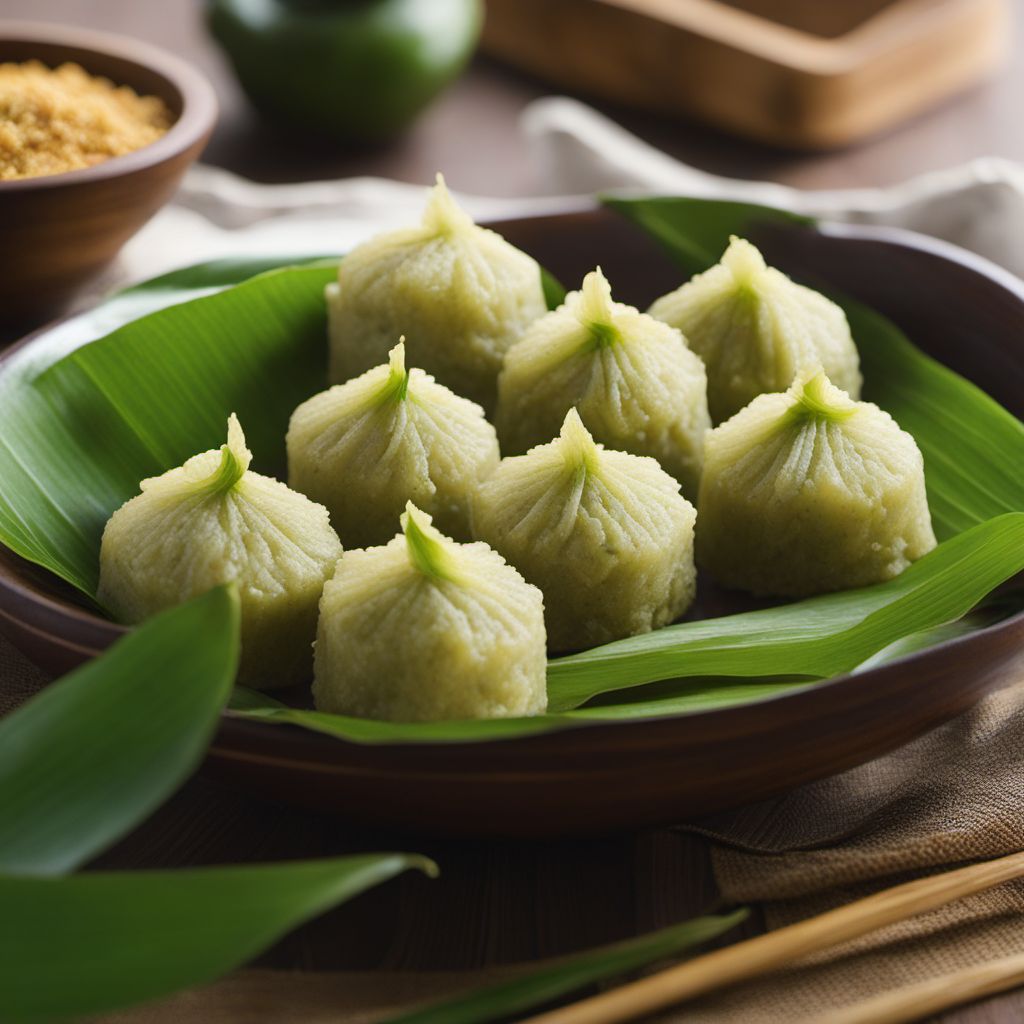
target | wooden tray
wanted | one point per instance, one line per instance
(607, 776)
(805, 73)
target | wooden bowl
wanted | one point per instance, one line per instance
(61, 230)
(606, 776)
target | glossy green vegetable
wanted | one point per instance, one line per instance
(92, 755)
(345, 69)
(84, 762)
(507, 999)
(84, 944)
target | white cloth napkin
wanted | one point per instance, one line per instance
(979, 205)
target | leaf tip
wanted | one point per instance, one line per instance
(235, 459)
(744, 259)
(443, 215)
(816, 398)
(595, 310)
(397, 386)
(427, 547)
(578, 446)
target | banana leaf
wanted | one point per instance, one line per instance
(90, 421)
(84, 762)
(968, 440)
(547, 983)
(822, 636)
(146, 380)
(88, 943)
(94, 754)
(83, 430)
(801, 642)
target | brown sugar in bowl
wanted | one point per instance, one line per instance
(58, 231)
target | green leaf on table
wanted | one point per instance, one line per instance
(93, 754)
(537, 987)
(97, 941)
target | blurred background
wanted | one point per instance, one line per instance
(806, 92)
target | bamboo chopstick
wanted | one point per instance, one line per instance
(927, 997)
(777, 949)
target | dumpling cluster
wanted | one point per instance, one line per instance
(365, 448)
(214, 521)
(756, 330)
(606, 536)
(424, 629)
(583, 533)
(459, 293)
(809, 491)
(635, 384)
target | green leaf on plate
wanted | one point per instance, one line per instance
(535, 988)
(822, 636)
(93, 754)
(681, 697)
(987, 614)
(93, 424)
(554, 293)
(90, 424)
(968, 440)
(222, 273)
(93, 942)
(784, 649)
(696, 231)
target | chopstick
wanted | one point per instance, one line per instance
(775, 949)
(927, 997)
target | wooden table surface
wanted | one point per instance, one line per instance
(495, 902)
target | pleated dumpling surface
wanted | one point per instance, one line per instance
(424, 629)
(756, 330)
(459, 293)
(809, 491)
(214, 521)
(631, 378)
(606, 536)
(365, 448)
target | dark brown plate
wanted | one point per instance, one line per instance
(605, 776)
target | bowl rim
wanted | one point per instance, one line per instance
(257, 731)
(199, 106)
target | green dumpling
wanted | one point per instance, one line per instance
(213, 521)
(606, 536)
(635, 384)
(424, 630)
(756, 330)
(809, 491)
(459, 293)
(366, 447)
